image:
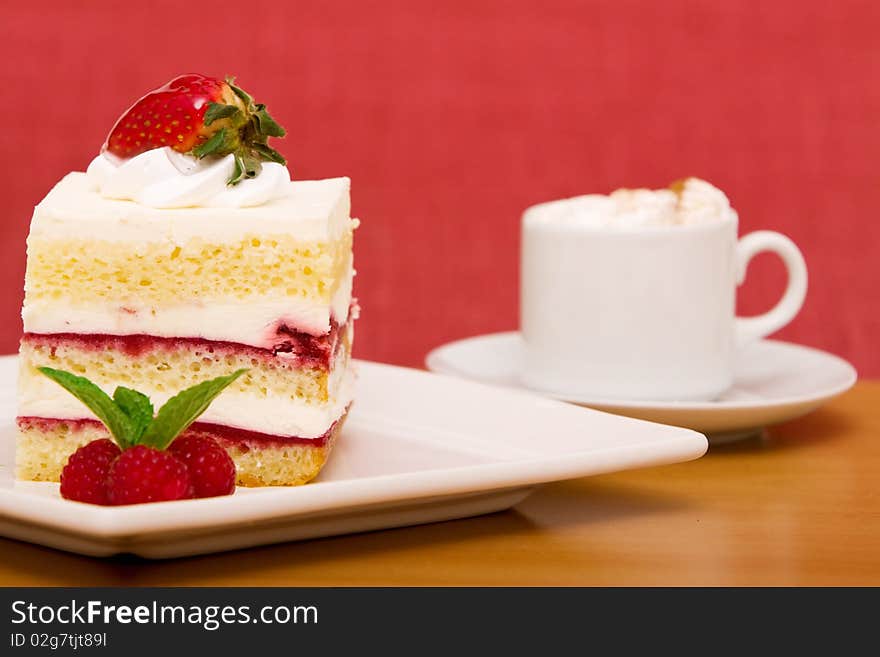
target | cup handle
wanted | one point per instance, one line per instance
(749, 329)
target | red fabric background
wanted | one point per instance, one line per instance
(452, 117)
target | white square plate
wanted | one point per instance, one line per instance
(417, 447)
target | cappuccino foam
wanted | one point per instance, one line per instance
(686, 202)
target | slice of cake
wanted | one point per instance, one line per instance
(162, 267)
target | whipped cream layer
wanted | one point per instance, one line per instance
(686, 203)
(164, 178)
(41, 397)
(310, 210)
(253, 323)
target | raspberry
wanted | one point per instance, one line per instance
(210, 467)
(143, 474)
(84, 478)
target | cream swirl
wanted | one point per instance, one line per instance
(164, 178)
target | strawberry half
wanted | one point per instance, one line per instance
(201, 116)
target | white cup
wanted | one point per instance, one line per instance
(646, 313)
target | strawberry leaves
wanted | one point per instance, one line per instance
(246, 98)
(268, 153)
(248, 144)
(264, 124)
(245, 166)
(256, 129)
(217, 111)
(128, 415)
(216, 145)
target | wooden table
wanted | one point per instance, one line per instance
(798, 506)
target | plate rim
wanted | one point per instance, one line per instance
(434, 361)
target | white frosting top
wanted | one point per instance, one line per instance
(164, 178)
(691, 202)
(310, 210)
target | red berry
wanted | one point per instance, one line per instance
(84, 478)
(187, 112)
(210, 467)
(143, 474)
(172, 115)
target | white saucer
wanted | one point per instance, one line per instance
(774, 381)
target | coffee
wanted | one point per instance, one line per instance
(632, 295)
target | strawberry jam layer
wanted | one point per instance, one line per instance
(294, 346)
(226, 436)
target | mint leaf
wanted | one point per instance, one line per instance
(182, 410)
(139, 409)
(114, 418)
(217, 111)
(129, 414)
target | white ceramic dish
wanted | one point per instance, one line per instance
(417, 448)
(773, 382)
